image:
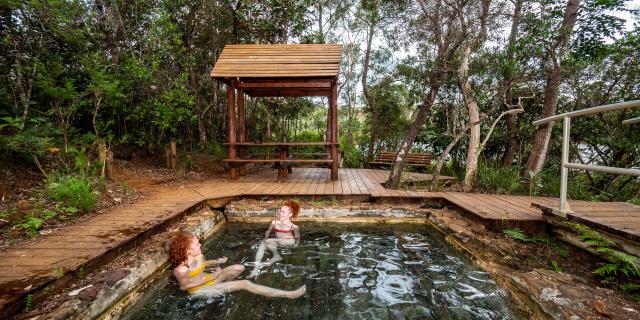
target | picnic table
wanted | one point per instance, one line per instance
(284, 158)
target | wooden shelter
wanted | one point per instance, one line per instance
(278, 70)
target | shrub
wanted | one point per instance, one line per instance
(30, 225)
(496, 179)
(547, 183)
(74, 191)
(217, 149)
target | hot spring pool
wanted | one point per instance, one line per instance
(351, 272)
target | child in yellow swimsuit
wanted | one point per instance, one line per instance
(188, 267)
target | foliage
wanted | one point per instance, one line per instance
(28, 302)
(30, 225)
(135, 75)
(621, 271)
(76, 192)
(519, 235)
(497, 179)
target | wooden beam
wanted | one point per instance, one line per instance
(289, 93)
(334, 129)
(271, 84)
(233, 170)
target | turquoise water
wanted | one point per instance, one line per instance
(351, 272)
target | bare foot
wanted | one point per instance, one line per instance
(297, 293)
(273, 260)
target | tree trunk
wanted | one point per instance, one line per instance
(367, 95)
(95, 114)
(443, 156)
(268, 124)
(418, 120)
(474, 118)
(373, 137)
(512, 125)
(551, 91)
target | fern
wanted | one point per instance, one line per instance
(607, 269)
(557, 247)
(629, 286)
(620, 263)
(629, 263)
(555, 266)
(591, 236)
(516, 234)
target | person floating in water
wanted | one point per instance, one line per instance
(188, 267)
(287, 234)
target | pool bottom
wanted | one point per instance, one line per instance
(351, 272)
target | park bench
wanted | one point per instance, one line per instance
(413, 159)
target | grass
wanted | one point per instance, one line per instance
(494, 178)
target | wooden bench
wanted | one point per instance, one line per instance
(413, 159)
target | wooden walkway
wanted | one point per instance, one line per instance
(619, 218)
(33, 264)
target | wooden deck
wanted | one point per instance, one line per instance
(35, 263)
(619, 218)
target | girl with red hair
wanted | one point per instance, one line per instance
(188, 267)
(287, 234)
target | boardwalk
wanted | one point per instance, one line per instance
(33, 264)
(619, 218)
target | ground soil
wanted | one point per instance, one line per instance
(21, 191)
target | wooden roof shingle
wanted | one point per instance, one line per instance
(278, 61)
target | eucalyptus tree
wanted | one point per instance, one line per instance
(556, 46)
(437, 28)
(325, 17)
(510, 72)
(374, 17)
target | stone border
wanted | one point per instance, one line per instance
(529, 294)
(111, 301)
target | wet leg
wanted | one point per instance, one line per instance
(230, 273)
(231, 286)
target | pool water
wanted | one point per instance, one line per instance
(351, 271)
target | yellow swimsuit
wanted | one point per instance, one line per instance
(207, 276)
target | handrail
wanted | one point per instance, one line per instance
(587, 111)
(631, 121)
(566, 128)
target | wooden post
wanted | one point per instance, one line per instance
(333, 105)
(242, 131)
(282, 170)
(102, 157)
(329, 136)
(174, 154)
(171, 154)
(231, 111)
(108, 164)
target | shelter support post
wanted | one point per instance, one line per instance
(242, 136)
(333, 106)
(231, 111)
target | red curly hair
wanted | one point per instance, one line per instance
(295, 207)
(179, 249)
